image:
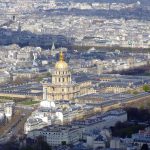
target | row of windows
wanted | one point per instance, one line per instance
(67, 89)
(53, 133)
(63, 79)
(61, 72)
(142, 140)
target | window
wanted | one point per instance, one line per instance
(53, 88)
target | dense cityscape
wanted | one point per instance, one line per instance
(74, 75)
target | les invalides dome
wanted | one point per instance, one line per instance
(61, 64)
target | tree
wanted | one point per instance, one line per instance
(28, 147)
(144, 147)
(135, 92)
(38, 144)
(146, 88)
(63, 143)
(48, 74)
(41, 144)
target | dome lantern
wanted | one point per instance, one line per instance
(61, 56)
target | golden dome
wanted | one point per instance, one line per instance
(61, 64)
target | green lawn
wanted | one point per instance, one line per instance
(29, 102)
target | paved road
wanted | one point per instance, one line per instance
(17, 128)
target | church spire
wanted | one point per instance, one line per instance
(53, 47)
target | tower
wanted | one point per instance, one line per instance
(100, 68)
(53, 47)
(19, 27)
(53, 53)
(61, 87)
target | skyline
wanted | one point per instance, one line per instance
(74, 75)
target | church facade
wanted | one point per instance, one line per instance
(62, 87)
